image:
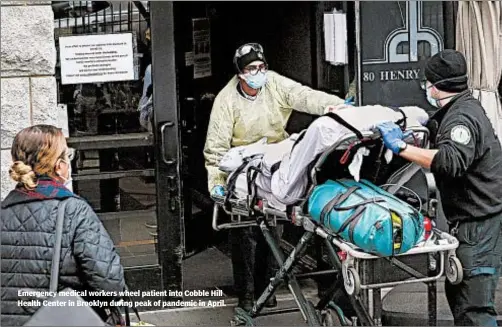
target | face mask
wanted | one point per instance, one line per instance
(68, 180)
(256, 81)
(436, 102)
(433, 102)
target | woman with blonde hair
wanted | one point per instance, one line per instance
(89, 260)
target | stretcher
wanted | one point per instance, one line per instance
(361, 275)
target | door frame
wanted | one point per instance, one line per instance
(139, 275)
(167, 146)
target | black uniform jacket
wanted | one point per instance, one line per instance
(468, 166)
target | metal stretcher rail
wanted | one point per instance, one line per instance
(452, 244)
(239, 215)
(354, 255)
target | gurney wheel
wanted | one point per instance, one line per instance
(454, 271)
(352, 282)
(330, 318)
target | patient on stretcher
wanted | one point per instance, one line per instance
(284, 166)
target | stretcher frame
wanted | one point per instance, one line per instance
(440, 249)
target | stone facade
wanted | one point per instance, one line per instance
(28, 85)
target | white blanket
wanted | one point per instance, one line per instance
(288, 183)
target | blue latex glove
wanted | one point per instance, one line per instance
(349, 101)
(218, 190)
(392, 136)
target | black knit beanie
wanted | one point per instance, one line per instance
(248, 58)
(449, 68)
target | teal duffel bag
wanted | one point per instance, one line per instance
(367, 216)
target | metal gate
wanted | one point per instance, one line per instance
(115, 167)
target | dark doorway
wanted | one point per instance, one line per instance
(206, 35)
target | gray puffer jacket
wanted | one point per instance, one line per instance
(88, 257)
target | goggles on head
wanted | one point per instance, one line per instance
(246, 48)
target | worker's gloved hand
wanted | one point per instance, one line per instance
(392, 136)
(336, 108)
(349, 101)
(218, 190)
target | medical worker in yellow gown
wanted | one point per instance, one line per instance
(256, 103)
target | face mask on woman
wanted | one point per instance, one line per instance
(67, 180)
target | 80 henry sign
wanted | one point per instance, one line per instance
(393, 54)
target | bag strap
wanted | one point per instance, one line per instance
(251, 175)
(233, 179)
(56, 258)
(405, 177)
(134, 309)
(337, 200)
(300, 137)
(127, 316)
(345, 124)
(402, 121)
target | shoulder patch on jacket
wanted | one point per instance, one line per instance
(461, 134)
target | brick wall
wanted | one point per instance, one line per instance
(28, 85)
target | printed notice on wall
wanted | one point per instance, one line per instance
(96, 58)
(201, 48)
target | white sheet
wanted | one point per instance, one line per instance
(273, 153)
(289, 183)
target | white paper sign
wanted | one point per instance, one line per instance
(189, 58)
(201, 48)
(96, 58)
(335, 38)
(62, 119)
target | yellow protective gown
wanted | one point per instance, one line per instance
(237, 121)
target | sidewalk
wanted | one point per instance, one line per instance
(203, 316)
(211, 270)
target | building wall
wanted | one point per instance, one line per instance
(286, 30)
(28, 85)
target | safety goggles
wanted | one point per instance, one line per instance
(246, 48)
(254, 69)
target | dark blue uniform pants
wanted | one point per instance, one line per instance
(252, 261)
(472, 302)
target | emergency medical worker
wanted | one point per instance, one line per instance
(256, 103)
(466, 160)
